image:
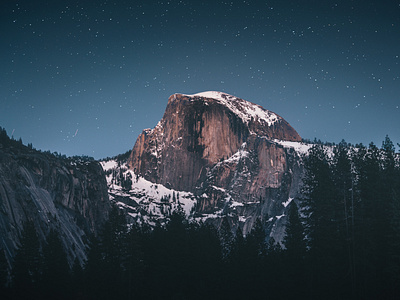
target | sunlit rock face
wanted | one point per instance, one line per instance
(198, 131)
(223, 149)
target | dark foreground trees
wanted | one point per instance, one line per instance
(342, 241)
(351, 209)
(27, 264)
(40, 271)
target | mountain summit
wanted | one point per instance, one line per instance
(196, 132)
(225, 150)
(259, 120)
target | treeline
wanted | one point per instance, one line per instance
(13, 144)
(351, 218)
(120, 158)
(181, 260)
(342, 241)
(38, 271)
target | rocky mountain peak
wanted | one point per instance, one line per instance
(257, 119)
(196, 132)
(242, 108)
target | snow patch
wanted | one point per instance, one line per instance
(235, 203)
(285, 204)
(109, 164)
(242, 219)
(218, 188)
(301, 148)
(246, 110)
(237, 156)
(155, 198)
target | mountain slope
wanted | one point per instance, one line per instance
(226, 152)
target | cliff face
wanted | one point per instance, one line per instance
(198, 131)
(225, 150)
(67, 195)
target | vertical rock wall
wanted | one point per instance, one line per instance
(68, 196)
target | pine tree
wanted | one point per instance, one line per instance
(4, 139)
(173, 197)
(27, 266)
(133, 263)
(3, 272)
(238, 248)
(376, 258)
(391, 198)
(275, 271)
(344, 194)
(255, 251)
(318, 197)
(236, 264)
(226, 238)
(94, 272)
(294, 242)
(77, 279)
(322, 220)
(204, 256)
(255, 240)
(56, 271)
(112, 237)
(176, 249)
(371, 224)
(294, 253)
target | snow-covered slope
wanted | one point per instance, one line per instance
(143, 200)
(151, 203)
(299, 147)
(230, 156)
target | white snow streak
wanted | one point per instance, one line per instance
(285, 204)
(299, 147)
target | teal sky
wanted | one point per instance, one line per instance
(86, 77)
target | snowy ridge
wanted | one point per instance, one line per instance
(147, 202)
(143, 200)
(299, 147)
(303, 148)
(242, 108)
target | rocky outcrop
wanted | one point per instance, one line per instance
(198, 131)
(63, 194)
(226, 151)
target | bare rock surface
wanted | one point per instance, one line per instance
(196, 132)
(67, 195)
(225, 150)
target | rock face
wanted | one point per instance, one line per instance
(67, 195)
(198, 131)
(223, 149)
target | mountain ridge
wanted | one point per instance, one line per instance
(66, 194)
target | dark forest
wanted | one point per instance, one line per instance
(342, 242)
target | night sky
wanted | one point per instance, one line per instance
(86, 77)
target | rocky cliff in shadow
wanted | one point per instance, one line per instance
(69, 195)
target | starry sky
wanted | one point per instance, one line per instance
(86, 77)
